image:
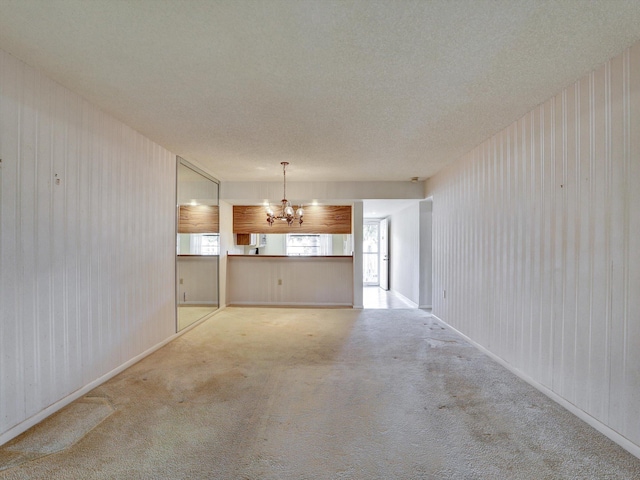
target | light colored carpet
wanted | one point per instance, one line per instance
(57, 432)
(328, 394)
(189, 314)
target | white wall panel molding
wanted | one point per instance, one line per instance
(87, 243)
(535, 242)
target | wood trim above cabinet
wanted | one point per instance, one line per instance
(198, 219)
(334, 219)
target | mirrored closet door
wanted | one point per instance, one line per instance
(198, 244)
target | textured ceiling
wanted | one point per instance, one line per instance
(344, 90)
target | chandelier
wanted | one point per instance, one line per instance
(286, 210)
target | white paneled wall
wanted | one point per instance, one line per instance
(197, 279)
(87, 243)
(536, 238)
(404, 253)
(425, 273)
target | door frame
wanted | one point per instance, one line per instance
(371, 221)
(383, 254)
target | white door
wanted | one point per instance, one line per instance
(384, 254)
(371, 252)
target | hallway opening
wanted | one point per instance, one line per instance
(376, 297)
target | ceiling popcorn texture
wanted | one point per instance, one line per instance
(344, 90)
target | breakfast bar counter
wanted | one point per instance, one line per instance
(281, 280)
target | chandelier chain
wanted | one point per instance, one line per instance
(284, 174)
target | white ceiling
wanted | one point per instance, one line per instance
(344, 90)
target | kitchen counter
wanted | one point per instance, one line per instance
(282, 280)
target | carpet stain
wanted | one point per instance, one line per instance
(56, 433)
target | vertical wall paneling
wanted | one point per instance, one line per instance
(632, 237)
(535, 242)
(86, 244)
(12, 406)
(404, 250)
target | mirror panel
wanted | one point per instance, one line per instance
(198, 244)
(295, 244)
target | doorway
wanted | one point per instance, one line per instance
(375, 261)
(375, 253)
(371, 253)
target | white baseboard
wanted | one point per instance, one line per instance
(409, 301)
(63, 402)
(607, 431)
(196, 303)
(291, 304)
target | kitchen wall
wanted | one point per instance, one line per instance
(536, 235)
(87, 246)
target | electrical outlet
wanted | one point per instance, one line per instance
(279, 281)
(181, 281)
(444, 294)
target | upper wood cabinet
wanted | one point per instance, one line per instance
(198, 219)
(197, 199)
(335, 219)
